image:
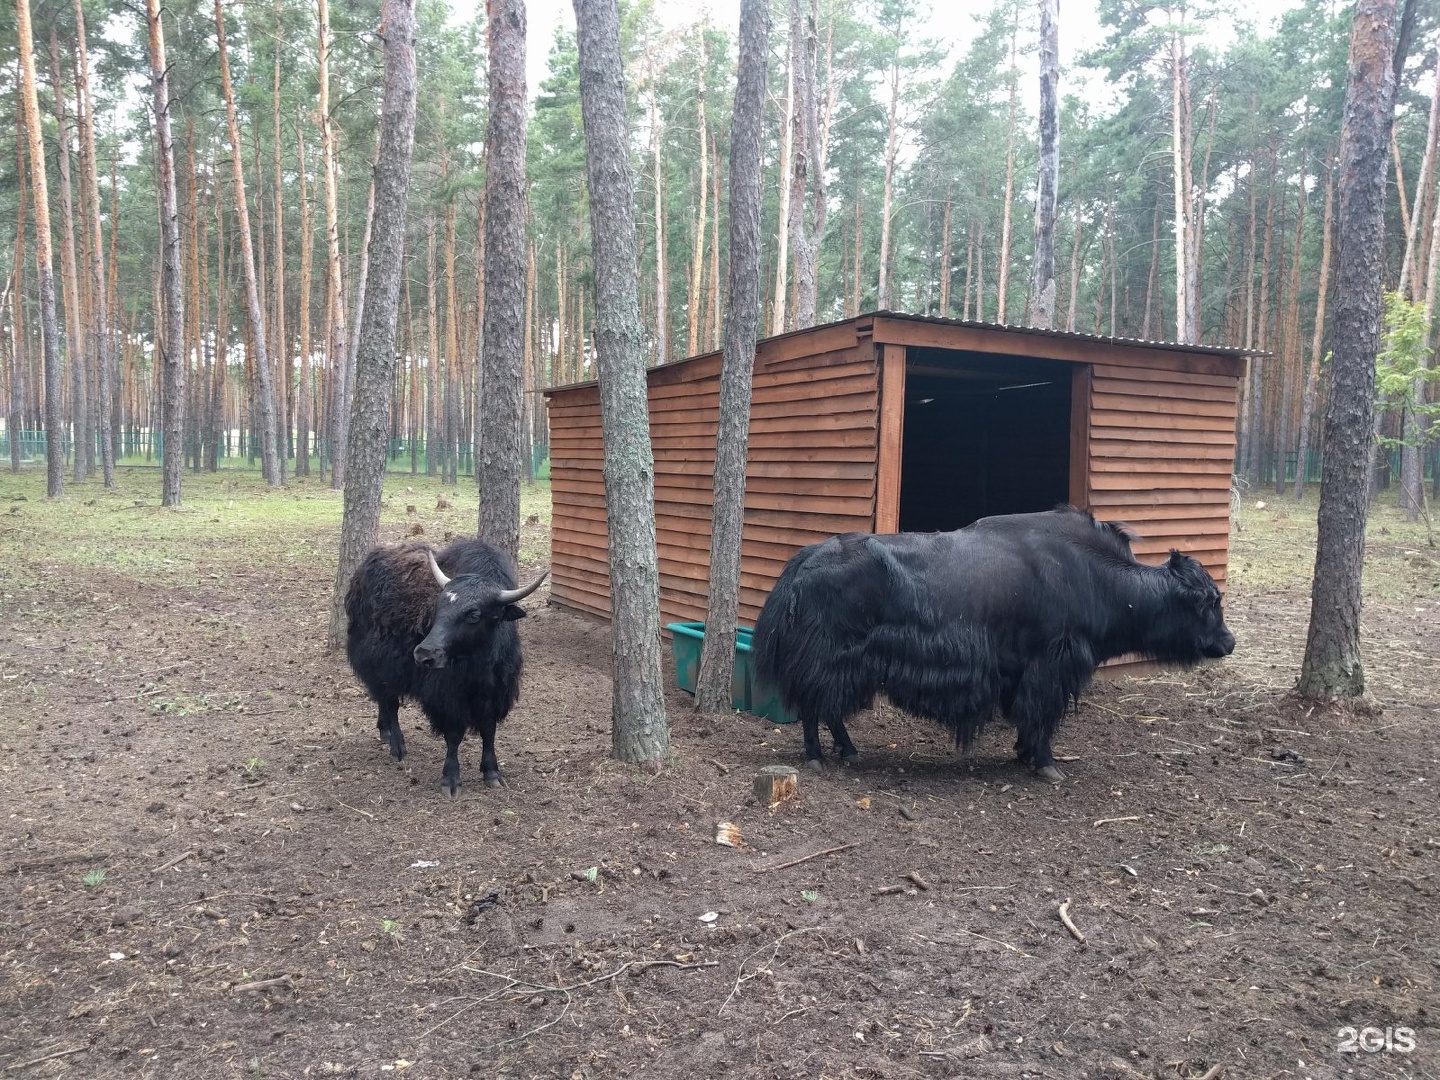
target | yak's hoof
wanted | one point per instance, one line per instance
(815, 765)
(397, 751)
(1050, 773)
(495, 781)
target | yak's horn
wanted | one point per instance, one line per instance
(510, 596)
(440, 577)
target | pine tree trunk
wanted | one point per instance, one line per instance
(277, 280)
(640, 732)
(502, 363)
(172, 398)
(859, 249)
(15, 418)
(74, 337)
(662, 273)
(801, 131)
(946, 254)
(892, 142)
(1153, 276)
(337, 339)
(1042, 283)
(303, 391)
(1290, 357)
(697, 265)
(1256, 434)
(195, 316)
(1074, 274)
(717, 657)
(1412, 479)
(1312, 375)
(100, 331)
(266, 395)
(1180, 153)
(712, 316)
(375, 367)
(432, 359)
(1332, 664)
(785, 184)
(1003, 287)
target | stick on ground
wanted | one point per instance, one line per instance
(47, 1057)
(804, 858)
(1065, 918)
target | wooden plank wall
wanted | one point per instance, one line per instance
(812, 473)
(1161, 451)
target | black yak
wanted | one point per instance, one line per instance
(1010, 614)
(441, 633)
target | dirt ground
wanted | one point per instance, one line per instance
(210, 868)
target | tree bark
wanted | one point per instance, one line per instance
(697, 266)
(662, 273)
(277, 280)
(717, 657)
(1312, 375)
(1042, 283)
(1289, 359)
(375, 366)
(502, 362)
(1180, 154)
(254, 305)
(640, 732)
(1332, 664)
(100, 334)
(946, 241)
(15, 419)
(892, 142)
(172, 398)
(802, 130)
(778, 309)
(1003, 287)
(337, 338)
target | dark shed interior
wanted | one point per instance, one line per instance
(983, 434)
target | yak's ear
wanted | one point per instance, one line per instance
(511, 612)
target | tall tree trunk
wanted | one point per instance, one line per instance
(195, 316)
(1409, 276)
(946, 254)
(640, 731)
(697, 266)
(100, 334)
(338, 348)
(717, 657)
(1074, 275)
(303, 394)
(1180, 153)
(172, 286)
(785, 183)
(502, 363)
(375, 367)
(266, 405)
(892, 142)
(1412, 467)
(74, 317)
(1312, 375)
(1290, 357)
(1332, 664)
(859, 248)
(433, 459)
(1262, 341)
(15, 419)
(1042, 282)
(662, 273)
(44, 262)
(1003, 287)
(277, 280)
(1153, 276)
(802, 129)
(712, 314)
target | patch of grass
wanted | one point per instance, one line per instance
(94, 879)
(1273, 547)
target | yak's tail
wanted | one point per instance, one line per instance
(775, 629)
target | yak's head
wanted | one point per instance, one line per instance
(1197, 615)
(468, 610)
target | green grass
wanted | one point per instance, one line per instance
(230, 522)
(1273, 547)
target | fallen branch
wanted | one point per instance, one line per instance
(173, 862)
(1065, 918)
(47, 1057)
(262, 984)
(916, 879)
(1113, 820)
(803, 858)
(1213, 1072)
(50, 862)
(774, 947)
(362, 813)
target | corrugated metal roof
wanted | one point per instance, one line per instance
(1073, 335)
(974, 324)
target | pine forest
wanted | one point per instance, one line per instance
(1196, 201)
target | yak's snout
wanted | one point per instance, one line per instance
(429, 656)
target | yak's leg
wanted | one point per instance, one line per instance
(389, 725)
(1036, 710)
(844, 748)
(450, 776)
(814, 756)
(489, 763)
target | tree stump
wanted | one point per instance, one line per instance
(776, 783)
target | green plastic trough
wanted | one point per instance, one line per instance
(746, 695)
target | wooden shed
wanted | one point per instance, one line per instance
(889, 422)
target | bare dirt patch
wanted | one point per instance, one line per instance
(210, 867)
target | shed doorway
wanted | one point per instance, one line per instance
(983, 434)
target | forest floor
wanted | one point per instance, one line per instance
(210, 868)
